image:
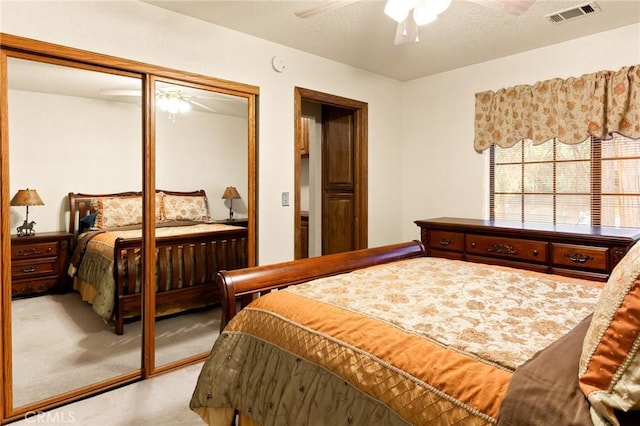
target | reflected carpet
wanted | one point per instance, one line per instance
(59, 344)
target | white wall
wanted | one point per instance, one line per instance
(148, 34)
(50, 152)
(61, 144)
(204, 151)
(442, 173)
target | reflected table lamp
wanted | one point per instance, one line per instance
(26, 197)
(230, 193)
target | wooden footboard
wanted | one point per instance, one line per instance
(186, 269)
(186, 265)
(250, 282)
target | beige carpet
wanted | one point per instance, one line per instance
(160, 401)
(60, 344)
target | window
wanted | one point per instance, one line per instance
(594, 183)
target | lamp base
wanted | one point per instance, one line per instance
(26, 229)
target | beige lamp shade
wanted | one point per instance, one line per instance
(230, 193)
(26, 197)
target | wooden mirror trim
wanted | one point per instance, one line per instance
(5, 239)
(21, 47)
(22, 44)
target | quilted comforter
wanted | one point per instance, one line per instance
(93, 261)
(424, 341)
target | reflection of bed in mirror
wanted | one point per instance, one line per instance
(106, 260)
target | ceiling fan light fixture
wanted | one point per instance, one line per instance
(439, 6)
(398, 10)
(172, 102)
(183, 106)
(423, 14)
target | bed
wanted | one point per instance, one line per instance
(190, 251)
(390, 336)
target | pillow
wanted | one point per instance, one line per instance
(96, 206)
(117, 212)
(544, 390)
(87, 222)
(186, 207)
(161, 215)
(609, 371)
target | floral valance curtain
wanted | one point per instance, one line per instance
(571, 110)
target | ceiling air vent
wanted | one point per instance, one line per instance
(573, 12)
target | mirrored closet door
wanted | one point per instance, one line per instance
(66, 134)
(201, 139)
(81, 127)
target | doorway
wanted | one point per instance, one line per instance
(330, 174)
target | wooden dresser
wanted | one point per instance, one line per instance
(575, 251)
(39, 263)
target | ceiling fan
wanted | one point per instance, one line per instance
(170, 99)
(411, 14)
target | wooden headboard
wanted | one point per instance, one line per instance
(80, 205)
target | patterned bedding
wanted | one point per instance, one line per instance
(92, 263)
(420, 341)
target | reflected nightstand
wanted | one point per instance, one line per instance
(243, 221)
(39, 263)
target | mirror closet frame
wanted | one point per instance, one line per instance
(24, 48)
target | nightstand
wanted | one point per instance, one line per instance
(235, 222)
(39, 263)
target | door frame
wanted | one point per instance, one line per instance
(360, 112)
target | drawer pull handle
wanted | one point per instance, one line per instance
(473, 245)
(445, 242)
(29, 269)
(578, 257)
(535, 252)
(502, 249)
(29, 252)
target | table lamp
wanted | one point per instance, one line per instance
(230, 193)
(26, 197)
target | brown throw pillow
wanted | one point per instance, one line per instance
(544, 390)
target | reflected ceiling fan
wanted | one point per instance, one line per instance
(411, 14)
(170, 99)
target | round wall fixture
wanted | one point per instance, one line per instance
(278, 63)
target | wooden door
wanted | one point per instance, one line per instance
(344, 199)
(338, 180)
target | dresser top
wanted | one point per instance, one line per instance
(524, 228)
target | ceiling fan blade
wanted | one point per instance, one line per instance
(325, 7)
(514, 7)
(215, 98)
(201, 105)
(120, 92)
(407, 31)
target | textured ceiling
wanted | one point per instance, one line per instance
(360, 34)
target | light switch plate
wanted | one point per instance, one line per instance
(285, 199)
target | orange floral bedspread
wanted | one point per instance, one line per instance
(420, 341)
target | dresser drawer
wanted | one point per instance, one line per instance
(34, 286)
(583, 257)
(507, 248)
(444, 240)
(34, 268)
(26, 251)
